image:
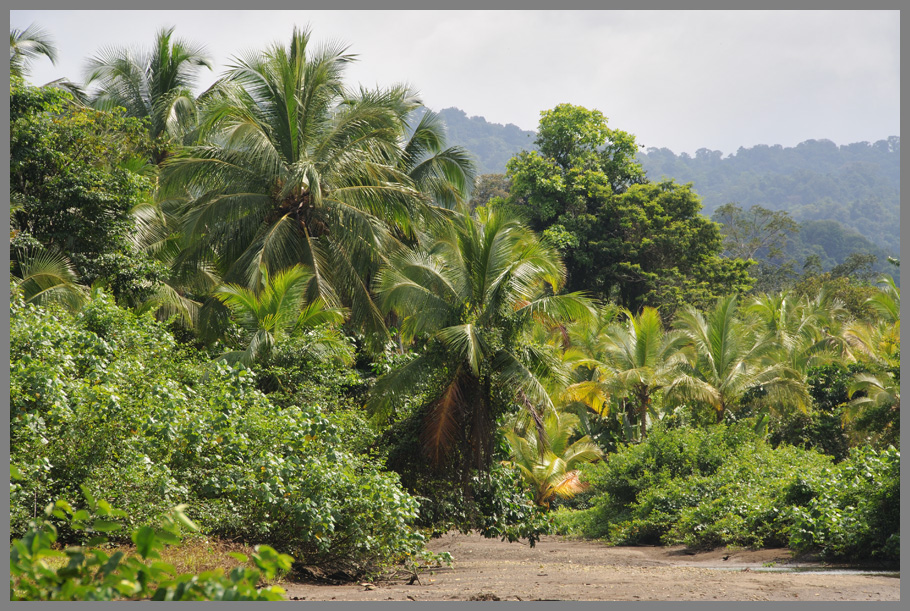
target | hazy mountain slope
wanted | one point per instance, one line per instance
(492, 144)
(855, 186)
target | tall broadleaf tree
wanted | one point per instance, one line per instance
(291, 168)
(473, 292)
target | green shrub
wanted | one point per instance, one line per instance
(726, 486)
(855, 513)
(92, 574)
(107, 400)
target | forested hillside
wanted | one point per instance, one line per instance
(492, 144)
(846, 199)
(857, 185)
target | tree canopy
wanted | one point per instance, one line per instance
(622, 237)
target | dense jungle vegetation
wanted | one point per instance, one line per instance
(287, 312)
(829, 202)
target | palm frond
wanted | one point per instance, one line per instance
(28, 44)
(441, 424)
(46, 276)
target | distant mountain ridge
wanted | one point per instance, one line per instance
(492, 144)
(846, 198)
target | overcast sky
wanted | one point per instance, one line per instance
(680, 80)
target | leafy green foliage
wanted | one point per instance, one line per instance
(70, 169)
(725, 486)
(622, 237)
(107, 400)
(856, 512)
(820, 429)
(92, 574)
(305, 196)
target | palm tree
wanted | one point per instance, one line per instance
(550, 466)
(156, 85)
(447, 174)
(887, 302)
(634, 359)
(46, 276)
(878, 340)
(291, 168)
(875, 394)
(800, 327)
(471, 294)
(731, 357)
(279, 310)
(26, 45)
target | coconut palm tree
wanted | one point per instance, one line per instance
(156, 85)
(875, 393)
(550, 466)
(27, 45)
(730, 357)
(291, 168)
(878, 340)
(634, 360)
(278, 310)
(887, 302)
(470, 294)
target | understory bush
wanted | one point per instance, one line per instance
(108, 400)
(724, 485)
(39, 571)
(821, 428)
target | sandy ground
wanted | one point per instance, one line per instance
(561, 569)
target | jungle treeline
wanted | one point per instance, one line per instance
(288, 312)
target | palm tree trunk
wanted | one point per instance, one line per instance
(721, 413)
(643, 420)
(644, 400)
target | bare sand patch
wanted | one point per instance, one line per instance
(561, 569)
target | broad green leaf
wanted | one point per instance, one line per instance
(106, 526)
(145, 541)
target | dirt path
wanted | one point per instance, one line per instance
(560, 569)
